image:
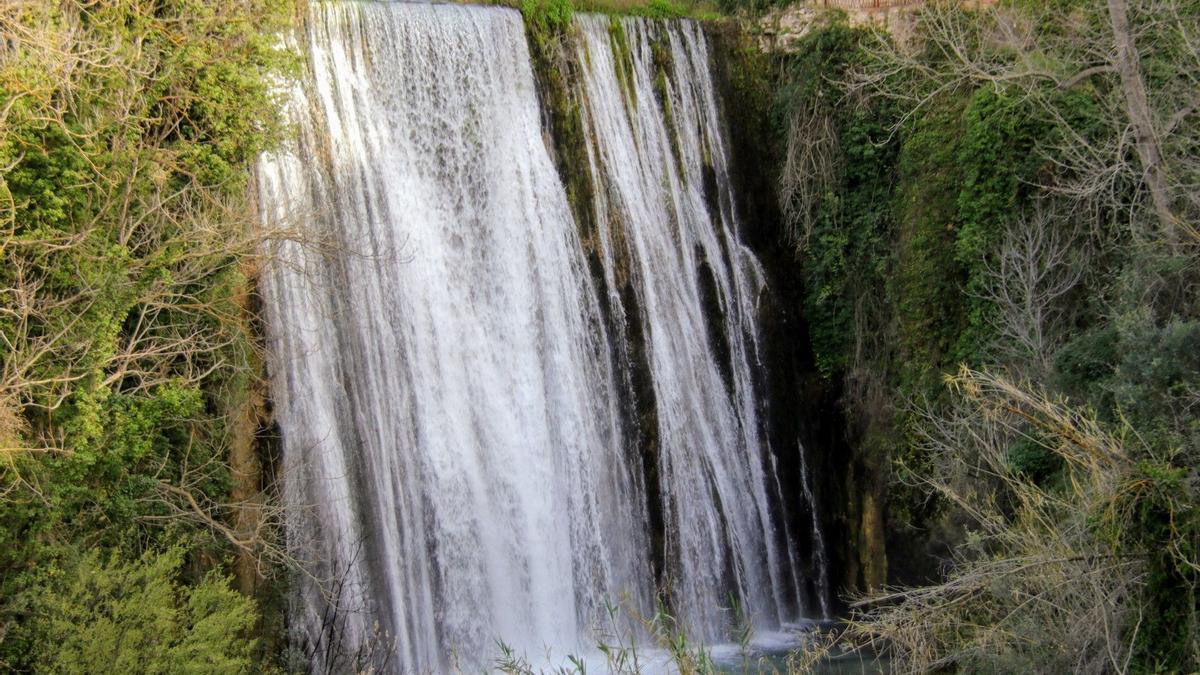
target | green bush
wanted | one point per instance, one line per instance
(109, 615)
(1032, 458)
(547, 15)
(661, 9)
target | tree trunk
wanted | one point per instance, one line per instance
(1133, 89)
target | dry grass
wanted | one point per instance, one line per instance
(1046, 580)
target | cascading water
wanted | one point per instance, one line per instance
(456, 463)
(659, 166)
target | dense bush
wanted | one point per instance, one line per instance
(126, 133)
(135, 616)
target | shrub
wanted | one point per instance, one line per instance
(111, 615)
(547, 15)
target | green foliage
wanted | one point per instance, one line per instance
(623, 60)
(1088, 359)
(105, 483)
(125, 146)
(947, 155)
(555, 66)
(137, 616)
(551, 15)
(849, 252)
(750, 6)
(547, 15)
(928, 281)
(661, 9)
(997, 163)
(558, 12)
(1033, 459)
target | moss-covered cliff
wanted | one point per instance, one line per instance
(961, 195)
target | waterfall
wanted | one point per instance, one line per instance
(659, 166)
(458, 462)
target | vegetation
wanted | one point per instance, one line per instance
(127, 362)
(135, 617)
(1013, 188)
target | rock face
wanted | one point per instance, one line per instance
(781, 29)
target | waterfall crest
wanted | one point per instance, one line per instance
(457, 467)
